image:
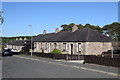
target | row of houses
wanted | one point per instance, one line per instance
(78, 41)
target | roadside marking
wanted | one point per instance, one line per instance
(83, 68)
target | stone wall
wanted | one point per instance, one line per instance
(87, 48)
(14, 47)
(50, 46)
(96, 48)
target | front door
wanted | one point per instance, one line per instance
(71, 49)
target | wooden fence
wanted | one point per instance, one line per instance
(107, 61)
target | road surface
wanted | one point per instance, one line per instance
(34, 67)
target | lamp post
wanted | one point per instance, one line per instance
(31, 38)
(1, 17)
(1, 22)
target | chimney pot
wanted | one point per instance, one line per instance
(16, 39)
(20, 38)
(56, 30)
(44, 32)
(25, 38)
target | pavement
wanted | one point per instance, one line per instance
(19, 66)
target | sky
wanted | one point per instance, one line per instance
(50, 15)
(60, 0)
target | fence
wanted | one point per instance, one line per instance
(58, 56)
(107, 61)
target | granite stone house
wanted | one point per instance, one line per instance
(78, 41)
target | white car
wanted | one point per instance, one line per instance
(15, 50)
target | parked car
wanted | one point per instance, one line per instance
(110, 51)
(116, 53)
(15, 51)
(7, 52)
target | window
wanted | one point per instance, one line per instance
(79, 47)
(41, 45)
(55, 45)
(46, 46)
(37, 46)
(64, 47)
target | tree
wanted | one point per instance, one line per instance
(70, 26)
(65, 27)
(112, 30)
(80, 26)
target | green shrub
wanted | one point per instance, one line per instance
(56, 51)
(21, 51)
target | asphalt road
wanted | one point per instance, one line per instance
(27, 67)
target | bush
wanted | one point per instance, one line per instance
(56, 51)
(21, 51)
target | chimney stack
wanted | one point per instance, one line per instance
(20, 38)
(56, 30)
(74, 28)
(44, 32)
(25, 38)
(16, 39)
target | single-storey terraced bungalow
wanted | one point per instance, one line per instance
(78, 41)
(17, 44)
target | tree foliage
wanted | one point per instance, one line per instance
(10, 39)
(112, 30)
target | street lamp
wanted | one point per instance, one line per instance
(31, 38)
(1, 22)
(1, 18)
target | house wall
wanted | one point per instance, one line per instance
(96, 48)
(9, 46)
(14, 47)
(87, 48)
(50, 46)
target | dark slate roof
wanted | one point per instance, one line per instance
(17, 43)
(81, 35)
